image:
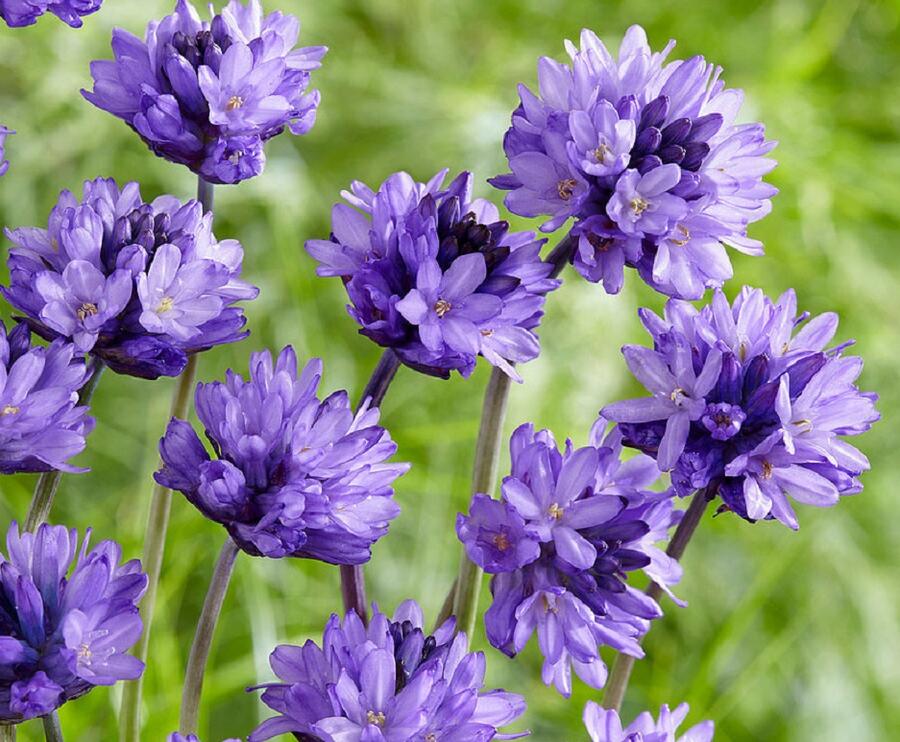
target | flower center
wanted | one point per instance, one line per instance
(501, 541)
(602, 153)
(684, 238)
(677, 395)
(767, 470)
(431, 737)
(548, 608)
(376, 718)
(441, 307)
(88, 309)
(165, 305)
(84, 652)
(566, 187)
(599, 243)
(487, 333)
(638, 205)
(555, 511)
(9, 410)
(234, 102)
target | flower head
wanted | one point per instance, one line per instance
(293, 475)
(605, 726)
(437, 276)
(140, 285)
(645, 155)
(62, 634)
(209, 94)
(568, 528)
(41, 424)
(4, 163)
(19, 13)
(748, 402)
(388, 681)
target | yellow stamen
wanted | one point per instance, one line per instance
(555, 511)
(9, 410)
(234, 102)
(165, 305)
(566, 187)
(767, 470)
(88, 309)
(501, 541)
(638, 205)
(376, 718)
(442, 306)
(602, 152)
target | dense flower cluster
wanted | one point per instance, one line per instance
(19, 13)
(61, 635)
(294, 476)
(645, 155)
(4, 163)
(748, 406)
(210, 94)
(140, 285)
(437, 276)
(385, 683)
(41, 424)
(605, 726)
(560, 542)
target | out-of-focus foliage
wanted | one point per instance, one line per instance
(788, 636)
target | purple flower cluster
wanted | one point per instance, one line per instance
(210, 94)
(62, 635)
(140, 285)
(748, 406)
(605, 726)
(19, 13)
(41, 424)
(294, 476)
(385, 683)
(4, 163)
(437, 276)
(645, 155)
(178, 737)
(560, 543)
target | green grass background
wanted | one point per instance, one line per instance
(789, 636)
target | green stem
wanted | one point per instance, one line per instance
(48, 482)
(353, 576)
(624, 664)
(206, 628)
(52, 729)
(154, 550)
(484, 480)
(155, 535)
(8, 733)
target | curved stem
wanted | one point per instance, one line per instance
(484, 480)
(561, 254)
(52, 729)
(154, 549)
(621, 671)
(353, 577)
(206, 627)
(48, 482)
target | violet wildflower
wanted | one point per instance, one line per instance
(63, 634)
(178, 737)
(19, 13)
(293, 475)
(4, 163)
(41, 424)
(210, 94)
(388, 681)
(436, 275)
(139, 285)
(560, 542)
(646, 157)
(748, 402)
(605, 726)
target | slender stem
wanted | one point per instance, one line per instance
(48, 482)
(447, 608)
(8, 733)
(52, 729)
(155, 535)
(561, 254)
(484, 480)
(353, 577)
(206, 627)
(621, 672)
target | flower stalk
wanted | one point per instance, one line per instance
(206, 627)
(467, 587)
(624, 664)
(8, 733)
(155, 535)
(353, 578)
(48, 482)
(52, 729)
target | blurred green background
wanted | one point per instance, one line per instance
(789, 636)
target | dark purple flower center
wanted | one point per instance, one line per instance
(468, 236)
(205, 47)
(411, 648)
